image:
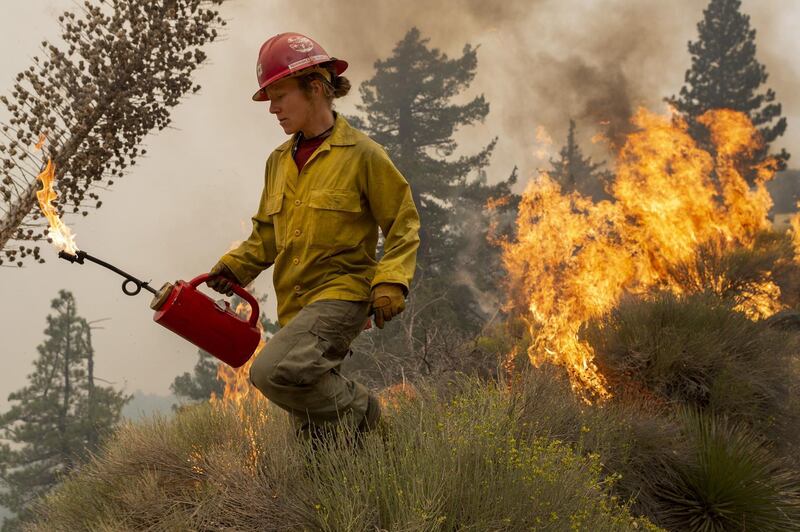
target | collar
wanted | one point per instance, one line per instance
(342, 135)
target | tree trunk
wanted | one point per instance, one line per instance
(62, 422)
(92, 436)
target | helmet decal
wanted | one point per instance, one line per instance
(259, 70)
(301, 44)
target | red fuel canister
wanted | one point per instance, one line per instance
(210, 325)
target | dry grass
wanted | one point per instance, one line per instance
(455, 456)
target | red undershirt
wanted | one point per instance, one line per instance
(305, 149)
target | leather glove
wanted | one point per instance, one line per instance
(387, 301)
(224, 283)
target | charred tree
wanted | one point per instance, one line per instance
(121, 68)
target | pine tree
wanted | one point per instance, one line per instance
(407, 107)
(575, 172)
(202, 382)
(726, 74)
(60, 417)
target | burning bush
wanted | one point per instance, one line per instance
(573, 259)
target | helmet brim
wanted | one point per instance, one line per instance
(261, 94)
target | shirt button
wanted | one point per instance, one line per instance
(297, 232)
(297, 202)
(296, 261)
(297, 288)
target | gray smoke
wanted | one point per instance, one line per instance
(540, 62)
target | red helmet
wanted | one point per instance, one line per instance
(285, 54)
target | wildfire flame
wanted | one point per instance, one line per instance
(795, 223)
(60, 234)
(573, 259)
(238, 388)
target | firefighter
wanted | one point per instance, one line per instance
(326, 192)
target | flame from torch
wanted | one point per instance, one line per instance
(59, 233)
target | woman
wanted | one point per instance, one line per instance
(327, 191)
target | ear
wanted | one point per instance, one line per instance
(318, 90)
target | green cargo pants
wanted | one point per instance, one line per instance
(298, 368)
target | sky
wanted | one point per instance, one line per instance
(190, 199)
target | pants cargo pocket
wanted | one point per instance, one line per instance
(320, 348)
(324, 331)
(332, 342)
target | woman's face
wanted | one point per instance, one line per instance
(290, 105)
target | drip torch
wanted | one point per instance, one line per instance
(180, 307)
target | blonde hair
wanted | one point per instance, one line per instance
(333, 86)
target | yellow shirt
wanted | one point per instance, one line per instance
(320, 227)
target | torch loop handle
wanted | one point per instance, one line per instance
(238, 290)
(81, 255)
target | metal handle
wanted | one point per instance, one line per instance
(80, 256)
(241, 292)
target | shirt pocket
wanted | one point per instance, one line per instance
(274, 209)
(335, 216)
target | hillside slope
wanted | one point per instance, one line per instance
(466, 455)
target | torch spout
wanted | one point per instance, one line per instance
(80, 256)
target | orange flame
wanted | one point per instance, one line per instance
(573, 259)
(238, 387)
(240, 395)
(60, 234)
(795, 224)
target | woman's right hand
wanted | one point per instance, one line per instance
(224, 280)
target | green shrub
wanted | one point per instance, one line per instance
(728, 481)
(683, 470)
(453, 460)
(628, 433)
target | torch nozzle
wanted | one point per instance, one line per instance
(78, 257)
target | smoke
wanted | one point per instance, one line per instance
(540, 62)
